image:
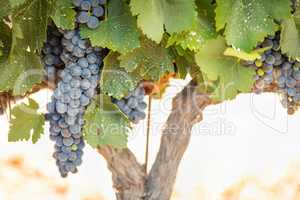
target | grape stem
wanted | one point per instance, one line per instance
(148, 133)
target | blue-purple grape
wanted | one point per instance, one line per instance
(98, 11)
(93, 22)
(133, 105)
(89, 12)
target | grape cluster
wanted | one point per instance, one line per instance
(74, 91)
(77, 85)
(89, 12)
(133, 105)
(51, 52)
(265, 65)
(276, 68)
(288, 82)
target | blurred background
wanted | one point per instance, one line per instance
(246, 149)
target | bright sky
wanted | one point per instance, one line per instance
(248, 139)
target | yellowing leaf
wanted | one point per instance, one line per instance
(241, 54)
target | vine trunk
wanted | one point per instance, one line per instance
(129, 177)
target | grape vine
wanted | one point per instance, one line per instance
(99, 54)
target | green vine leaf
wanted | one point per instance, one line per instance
(248, 22)
(115, 80)
(150, 61)
(15, 3)
(20, 66)
(290, 36)
(21, 70)
(193, 39)
(20, 63)
(7, 6)
(5, 9)
(32, 19)
(26, 123)
(155, 15)
(231, 75)
(63, 14)
(118, 32)
(105, 124)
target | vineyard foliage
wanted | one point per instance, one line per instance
(146, 40)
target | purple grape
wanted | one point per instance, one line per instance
(85, 5)
(93, 22)
(98, 11)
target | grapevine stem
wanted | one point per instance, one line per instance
(148, 132)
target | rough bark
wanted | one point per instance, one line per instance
(127, 174)
(186, 111)
(129, 178)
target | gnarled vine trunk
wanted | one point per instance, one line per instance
(129, 177)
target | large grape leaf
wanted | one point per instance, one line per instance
(115, 80)
(150, 61)
(20, 64)
(231, 75)
(155, 15)
(195, 37)
(5, 9)
(21, 74)
(20, 69)
(32, 19)
(105, 124)
(26, 122)
(290, 36)
(249, 22)
(117, 32)
(14, 3)
(63, 14)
